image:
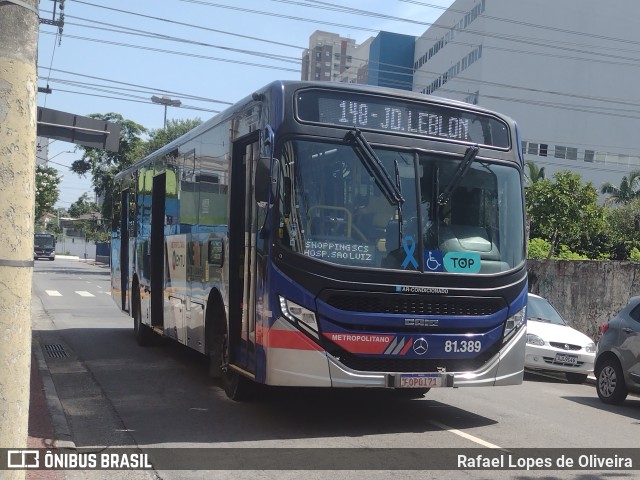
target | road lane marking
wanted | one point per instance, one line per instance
(477, 440)
(83, 293)
(53, 293)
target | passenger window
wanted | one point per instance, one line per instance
(635, 313)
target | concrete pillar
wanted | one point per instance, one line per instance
(19, 24)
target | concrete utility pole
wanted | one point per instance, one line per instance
(19, 24)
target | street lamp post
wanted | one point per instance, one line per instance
(166, 101)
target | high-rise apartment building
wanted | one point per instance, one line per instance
(332, 58)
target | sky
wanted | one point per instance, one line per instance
(113, 56)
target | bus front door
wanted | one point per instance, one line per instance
(242, 254)
(124, 249)
(157, 263)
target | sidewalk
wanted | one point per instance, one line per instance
(41, 431)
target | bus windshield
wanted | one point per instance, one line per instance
(385, 209)
(44, 241)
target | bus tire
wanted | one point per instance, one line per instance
(215, 342)
(141, 332)
(236, 386)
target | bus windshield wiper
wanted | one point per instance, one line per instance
(458, 175)
(399, 188)
(375, 167)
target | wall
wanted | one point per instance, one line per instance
(586, 293)
(75, 246)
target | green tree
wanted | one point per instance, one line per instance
(538, 248)
(103, 165)
(623, 225)
(47, 192)
(83, 206)
(564, 210)
(174, 129)
(634, 256)
(628, 190)
(533, 173)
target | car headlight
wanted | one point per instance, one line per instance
(534, 340)
(514, 322)
(300, 316)
(590, 348)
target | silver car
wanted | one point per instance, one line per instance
(617, 366)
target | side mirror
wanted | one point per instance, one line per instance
(263, 180)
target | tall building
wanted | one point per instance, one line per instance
(566, 71)
(332, 58)
(391, 60)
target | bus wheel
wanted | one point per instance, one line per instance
(142, 333)
(236, 386)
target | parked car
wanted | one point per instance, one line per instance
(617, 367)
(555, 346)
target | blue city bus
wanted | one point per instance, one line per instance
(332, 235)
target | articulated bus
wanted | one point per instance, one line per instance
(332, 235)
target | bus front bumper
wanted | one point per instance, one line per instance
(504, 368)
(315, 368)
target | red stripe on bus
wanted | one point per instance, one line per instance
(290, 339)
(361, 342)
(406, 347)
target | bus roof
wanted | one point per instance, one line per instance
(292, 85)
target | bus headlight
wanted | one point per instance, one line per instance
(300, 316)
(514, 322)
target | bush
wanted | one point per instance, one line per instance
(566, 254)
(538, 248)
(634, 256)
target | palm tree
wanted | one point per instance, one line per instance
(628, 190)
(534, 174)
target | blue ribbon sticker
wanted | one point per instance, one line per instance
(409, 247)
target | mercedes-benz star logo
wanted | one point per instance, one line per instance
(420, 346)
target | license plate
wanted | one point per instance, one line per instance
(421, 381)
(564, 358)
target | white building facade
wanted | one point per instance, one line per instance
(567, 71)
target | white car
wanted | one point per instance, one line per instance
(555, 346)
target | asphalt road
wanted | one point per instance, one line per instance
(109, 392)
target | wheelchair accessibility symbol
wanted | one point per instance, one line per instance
(433, 260)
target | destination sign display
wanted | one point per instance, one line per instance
(370, 112)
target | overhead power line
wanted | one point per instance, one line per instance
(173, 52)
(149, 89)
(175, 22)
(142, 33)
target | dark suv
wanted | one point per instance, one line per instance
(617, 367)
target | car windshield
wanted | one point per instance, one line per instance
(362, 205)
(541, 310)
